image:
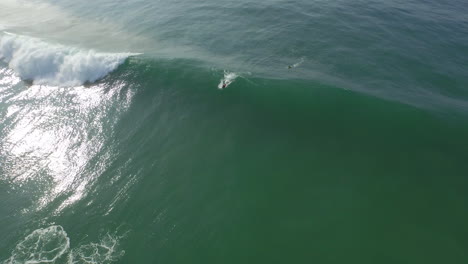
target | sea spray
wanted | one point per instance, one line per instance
(228, 78)
(53, 64)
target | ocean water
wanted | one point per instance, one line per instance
(301, 131)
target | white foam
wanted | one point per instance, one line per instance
(41, 246)
(228, 78)
(44, 63)
(297, 64)
(52, 245)
(105, 251)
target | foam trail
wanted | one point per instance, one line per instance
(297, 64)
(44, 63)
(229, 78)
(52, 245)
(45, 245)
(105, 251)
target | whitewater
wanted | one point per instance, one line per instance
(43, 63)
(216, 131)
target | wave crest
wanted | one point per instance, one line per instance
(44, 63)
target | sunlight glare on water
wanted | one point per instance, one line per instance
(337, 134)
(45, 141)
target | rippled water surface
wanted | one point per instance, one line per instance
(233, 132)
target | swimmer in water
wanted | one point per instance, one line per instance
(224, 84)
(290, 66)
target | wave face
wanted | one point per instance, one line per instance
(340, 135)
(44, 63)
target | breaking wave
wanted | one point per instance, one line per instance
(53, 64)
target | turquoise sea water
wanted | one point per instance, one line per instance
(119, 144)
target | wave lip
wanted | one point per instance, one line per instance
(44, 63)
